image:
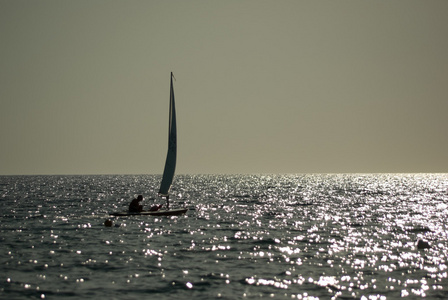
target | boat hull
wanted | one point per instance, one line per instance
(171, 212)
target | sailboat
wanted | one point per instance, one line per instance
(170, 167)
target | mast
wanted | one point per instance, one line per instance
(170, 163)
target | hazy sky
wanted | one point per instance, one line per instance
(262, 86)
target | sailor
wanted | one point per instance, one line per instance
(135, 204)
(155, 207)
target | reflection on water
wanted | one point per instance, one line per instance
(293, 236)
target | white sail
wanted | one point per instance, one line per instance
(170, 163)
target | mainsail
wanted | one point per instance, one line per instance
(170, 163)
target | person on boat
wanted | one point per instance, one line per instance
(155, 207)
(135, 204)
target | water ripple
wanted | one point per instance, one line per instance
(285, 236)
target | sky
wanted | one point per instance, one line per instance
(261, 86)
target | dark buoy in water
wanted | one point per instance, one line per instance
(421, 244)
(108, 223)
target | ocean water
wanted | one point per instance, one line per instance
(310, 236)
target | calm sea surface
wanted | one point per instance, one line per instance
(340, 236)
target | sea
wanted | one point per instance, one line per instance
(280, 236)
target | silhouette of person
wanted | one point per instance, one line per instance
(135, 204)
(156, 207)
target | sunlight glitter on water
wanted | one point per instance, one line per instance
(292, 236)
